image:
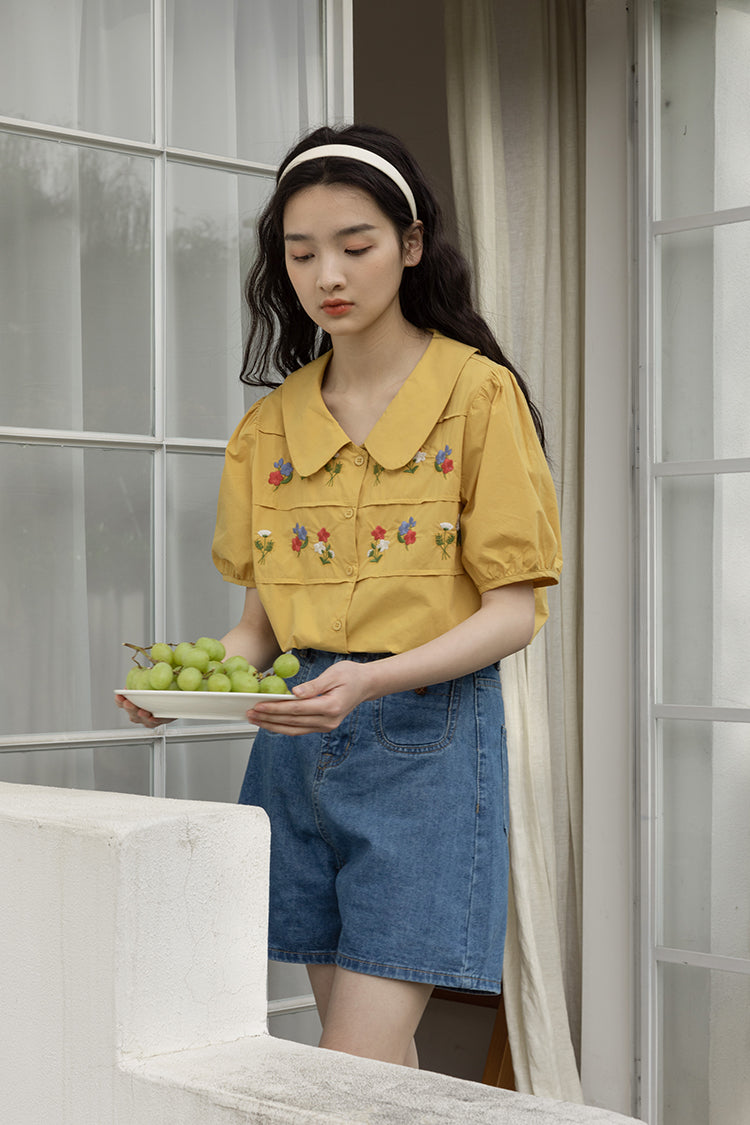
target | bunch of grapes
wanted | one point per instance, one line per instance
(205, 666)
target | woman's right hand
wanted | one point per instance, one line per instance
(138, 714)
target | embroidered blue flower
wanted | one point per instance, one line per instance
(282, 473)
(406, 533)
(299, 542)
(443, 462)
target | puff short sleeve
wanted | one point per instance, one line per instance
(233, 538)
(510, 528)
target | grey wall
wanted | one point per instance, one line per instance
(399, 82)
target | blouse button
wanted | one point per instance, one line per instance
(348, 513)
(350, 569)
(336, 625)
(359, 459)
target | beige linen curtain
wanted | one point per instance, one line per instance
(515, 104)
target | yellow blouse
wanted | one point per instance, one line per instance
(384, 546)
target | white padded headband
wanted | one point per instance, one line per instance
(353, 152)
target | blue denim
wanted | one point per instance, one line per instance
(389, 835)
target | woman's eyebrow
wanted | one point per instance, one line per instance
(345, 232)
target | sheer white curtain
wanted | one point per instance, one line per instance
(516, 135)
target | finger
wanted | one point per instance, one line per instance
(281, 720)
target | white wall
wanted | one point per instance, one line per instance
(608, 562)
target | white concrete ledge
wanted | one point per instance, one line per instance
(267, 1080)
(133, 981)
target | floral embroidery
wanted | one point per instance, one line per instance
(377, 470)
(443, 462)
(264, 544)
(322, 548)
(415, 462)
(445, 537)
(282, 473)
(406, 533)
(333, 468)
(379, 544)
(300, 540)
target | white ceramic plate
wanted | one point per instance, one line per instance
(216, 705)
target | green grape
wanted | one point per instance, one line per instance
(195, 658)
(214, 648)
(244, 681)
(161, 652)
(142, 679)
(219, 682)
(215, 666)
(181, 652)
(132, 678)
(190, 679)
(236, 664)
(273, 685)
(286, 665)
(161, 676)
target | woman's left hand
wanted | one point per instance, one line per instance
(318, 705)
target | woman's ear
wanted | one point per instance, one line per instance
(413, 244)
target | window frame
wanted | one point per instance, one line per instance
(337, 44)
(649, 471)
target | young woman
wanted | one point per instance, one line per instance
(389, 510)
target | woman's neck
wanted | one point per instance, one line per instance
(384, 356)
(364, 375)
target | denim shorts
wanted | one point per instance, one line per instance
(389, 835)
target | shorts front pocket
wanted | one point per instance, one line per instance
(418, 722)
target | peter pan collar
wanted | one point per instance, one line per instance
(401, 431)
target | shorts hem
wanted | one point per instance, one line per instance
(461, 982)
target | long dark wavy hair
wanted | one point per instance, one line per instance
(435, 294)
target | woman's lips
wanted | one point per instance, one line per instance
(336, 308)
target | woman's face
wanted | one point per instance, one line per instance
(345, 259)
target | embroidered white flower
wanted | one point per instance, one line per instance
(319, 548)
(383, 544)
(419, 457)
(447, 526)
(264, 533)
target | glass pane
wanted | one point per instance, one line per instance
(704, 597)
(76, 563)
(199, 602)
(112, 769)
(211, 246)
(705, 795)
(83, 66)
(705, 336)
(207, 771)
(705, 91)
(244, 79)
(705, 1044)
(75, 287)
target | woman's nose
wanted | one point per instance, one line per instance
(330, 274)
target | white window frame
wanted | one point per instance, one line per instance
(336, 32)
(651, 227)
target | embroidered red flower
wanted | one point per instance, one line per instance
(407, 533)
(323, 535)
(296, 544)
(443, 461)
(378, 532)
(275, 478)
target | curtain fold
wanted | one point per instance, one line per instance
(515, 104)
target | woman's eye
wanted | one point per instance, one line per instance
(356, 251)
(301, 257)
